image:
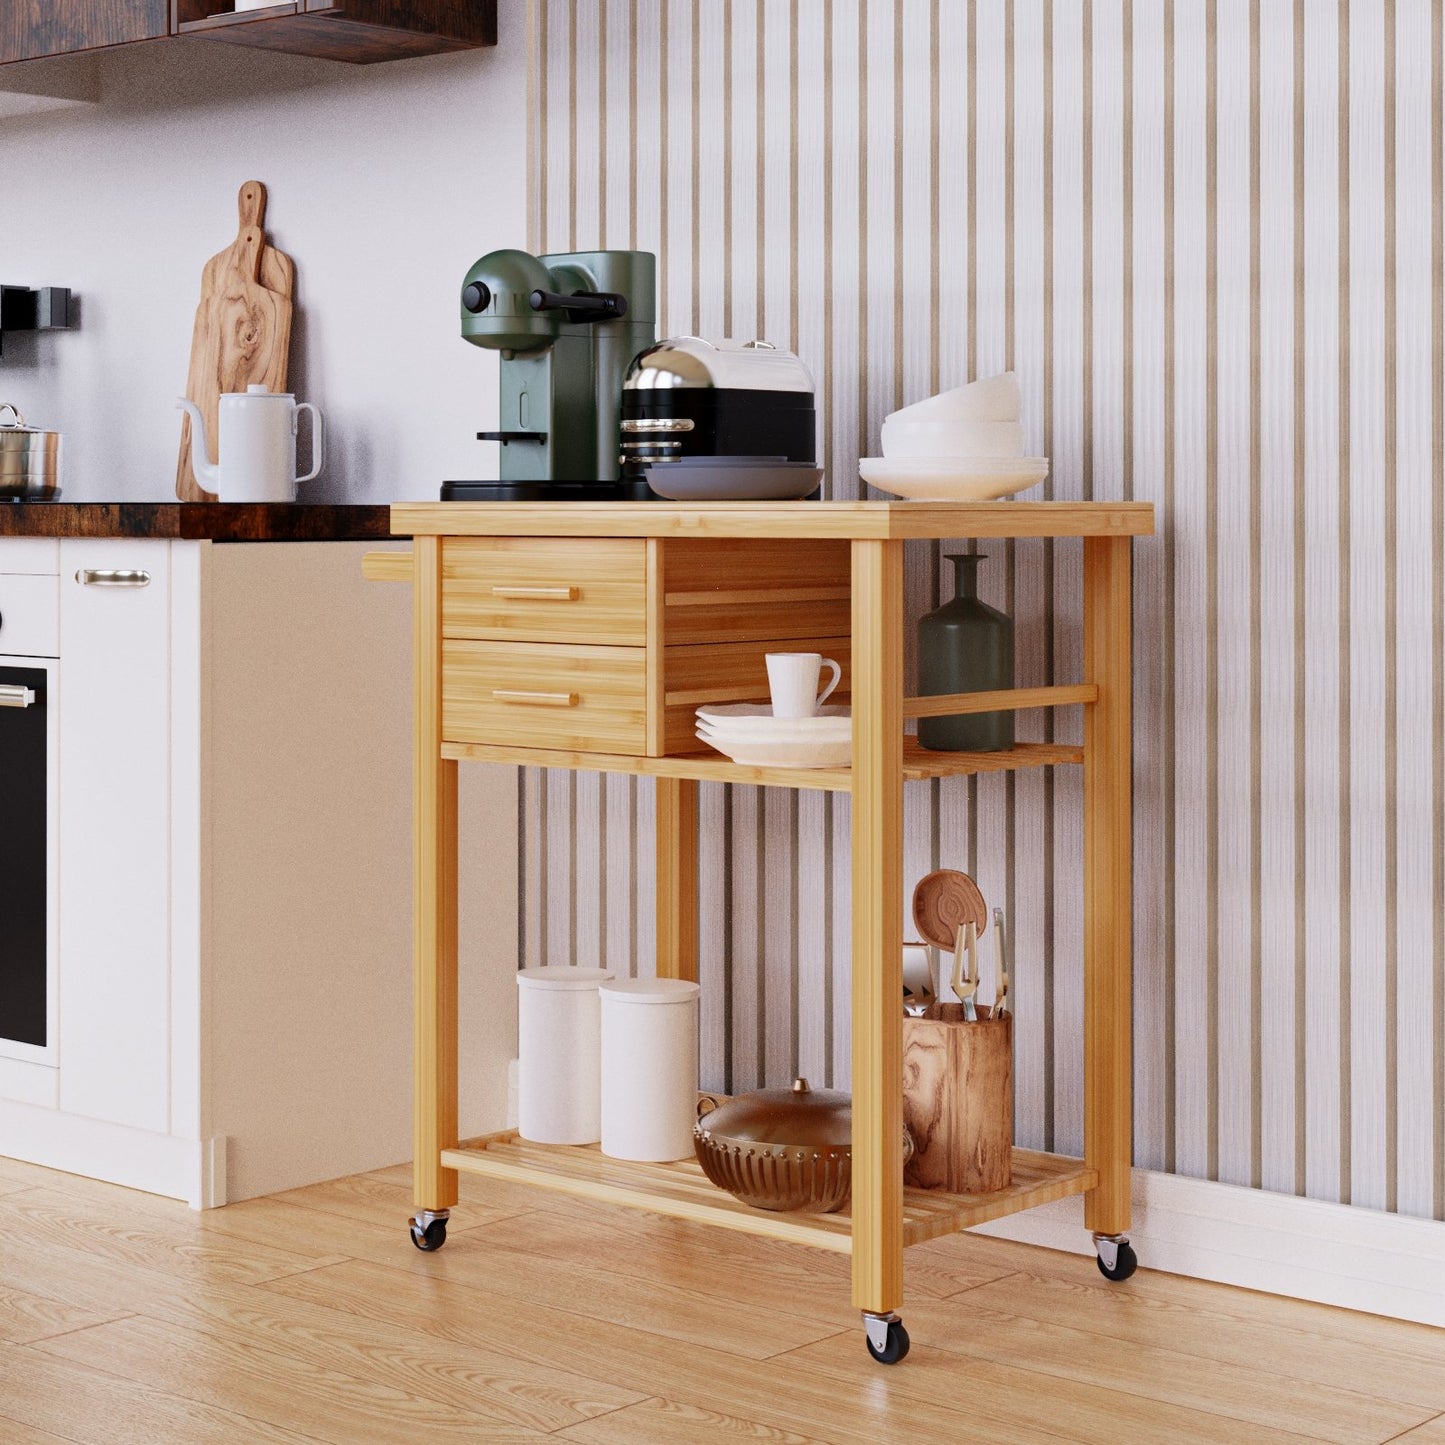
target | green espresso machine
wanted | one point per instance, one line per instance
(567, 327)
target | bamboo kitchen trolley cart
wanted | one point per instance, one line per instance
(583, 636)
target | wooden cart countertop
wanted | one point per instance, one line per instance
(871, 521)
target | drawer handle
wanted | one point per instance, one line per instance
(112, 577)
(536, 699)
(538, 594)
(16, 696)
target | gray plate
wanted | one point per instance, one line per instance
(681, 482)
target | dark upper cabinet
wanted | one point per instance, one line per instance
(360, 31)
(30, 29)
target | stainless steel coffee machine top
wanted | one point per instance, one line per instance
(566, 327)
(690, 397)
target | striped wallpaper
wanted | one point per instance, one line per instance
(1208, 236)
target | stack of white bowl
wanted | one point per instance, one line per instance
(748, 733)
(969, 423)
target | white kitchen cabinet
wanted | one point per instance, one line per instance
(232, 883)
(115, 819)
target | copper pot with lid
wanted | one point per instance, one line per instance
(29, 458)
(781, 1149)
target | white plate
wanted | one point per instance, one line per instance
(754, 753)
(953, 479)
(756, 718)
(779, 734)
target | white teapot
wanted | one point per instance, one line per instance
(256, 445)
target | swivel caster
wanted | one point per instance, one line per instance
(886, 1338)
(429, 1229)
(1117, 1259)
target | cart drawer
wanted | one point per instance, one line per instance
(582, 699)
(546, 589)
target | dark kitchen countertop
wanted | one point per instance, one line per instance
(214, 521)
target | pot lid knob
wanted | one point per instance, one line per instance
(800, 1086)
(14, 412)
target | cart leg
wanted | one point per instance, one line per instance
(677, 878)
(1108, 953)
(434, 937)
(877, 686)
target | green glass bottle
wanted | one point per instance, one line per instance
(966, 646)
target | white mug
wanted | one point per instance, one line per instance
(793, 682)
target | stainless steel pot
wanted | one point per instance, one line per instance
(29, 458)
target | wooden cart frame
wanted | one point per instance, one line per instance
(884, 1217)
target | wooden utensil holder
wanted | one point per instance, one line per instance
(958, 1100)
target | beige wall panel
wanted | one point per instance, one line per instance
(1119, 199)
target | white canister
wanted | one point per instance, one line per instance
(649, 1068)
(559, 1055)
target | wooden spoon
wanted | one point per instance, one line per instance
(943, 902)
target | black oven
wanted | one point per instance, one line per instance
(24, 849)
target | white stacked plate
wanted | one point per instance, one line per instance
(748, 733)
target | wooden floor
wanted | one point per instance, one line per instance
(129, 1320)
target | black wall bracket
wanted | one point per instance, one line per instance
(22, 309)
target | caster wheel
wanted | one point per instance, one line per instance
(432, 1237)
(894, 1347)
(1125, 1262)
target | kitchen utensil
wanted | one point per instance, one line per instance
(793, 682)
(1001, 963)
(690, 397)
(919, 988)
(933, 439)
(257, 446)
(732, 481)
(781, 1149)
(953, 479)
(991, 398)
(965, 968)
(943, 901)
(29, 459)
(242, 331)
(567, 326)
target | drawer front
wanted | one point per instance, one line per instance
(546, 589)
(29, 555)
(30, 616)
(578, 699)
(760, 589)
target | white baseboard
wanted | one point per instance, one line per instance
(1361, 1259)
(135, 1158)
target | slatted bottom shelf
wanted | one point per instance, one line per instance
(684, 1192)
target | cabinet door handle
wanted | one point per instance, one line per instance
(16, 696)
(537, 699)
(112, 577)
(537, 594)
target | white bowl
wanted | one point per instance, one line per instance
(953, 479)
(909, 438)
(992, 398)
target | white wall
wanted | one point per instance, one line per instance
(386, 182)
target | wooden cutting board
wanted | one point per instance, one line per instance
(242, 333)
